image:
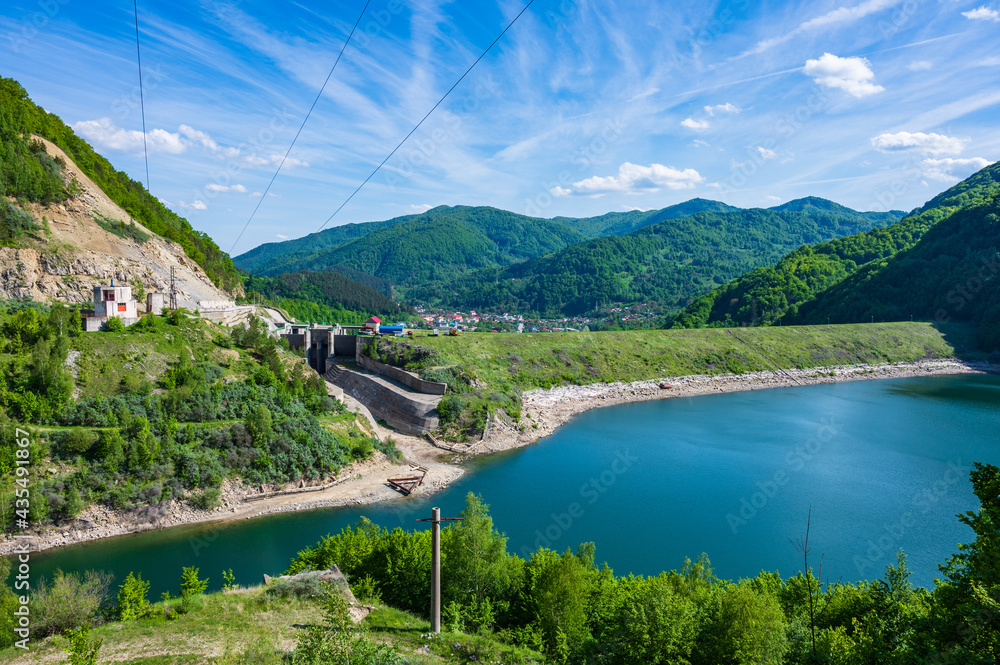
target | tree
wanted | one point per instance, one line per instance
(132, 602)
(260, 425)
(191, 586)
(338, 641)
(965, 616)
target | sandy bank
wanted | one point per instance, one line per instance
(543, 412)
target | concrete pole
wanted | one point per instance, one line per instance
(436, 570)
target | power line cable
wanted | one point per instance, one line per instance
(394, 150)
(142, 103)
(301, 127)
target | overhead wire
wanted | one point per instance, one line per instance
(142, 102)
(302, 126)
(427, 115)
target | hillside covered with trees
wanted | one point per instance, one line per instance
(324, 296)
(664, 264)
(26, 172)
(767, 294)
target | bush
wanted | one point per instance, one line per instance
(190, 584)
(299, 587)
(132, 602)
(78, 442)
(82, 650)
(114, 325)
(71, 600)
(450, 409)
(206, 500)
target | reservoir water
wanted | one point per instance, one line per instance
(882, 464)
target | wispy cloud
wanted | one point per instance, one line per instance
(837, 16)
(852, 75)
(197, 204)
(723, 108)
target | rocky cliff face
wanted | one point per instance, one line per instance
(74, 253)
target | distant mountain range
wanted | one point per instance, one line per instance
(484, 257)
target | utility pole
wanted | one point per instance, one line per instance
(435, 521)
(173, 290)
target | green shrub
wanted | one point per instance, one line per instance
(78, 442)
(132, 602)
(299, 587)
(114, 325)
(191, 586)
(69, 601)
(450, 409)
(82, 650)
(205, 500)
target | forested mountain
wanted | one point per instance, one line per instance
(483, 257)
(769, 293)
(25, 171)
(324, 296)
(439, 244)
(271, 258)
(950, 274)
(663, 264)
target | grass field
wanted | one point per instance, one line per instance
(246, 626)
(488, 371)
(535, 360)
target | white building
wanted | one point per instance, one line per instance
(111, 301)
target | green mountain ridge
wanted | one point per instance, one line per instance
(460, 256)
(663, 265)
(770, 293)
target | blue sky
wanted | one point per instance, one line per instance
(582, 108)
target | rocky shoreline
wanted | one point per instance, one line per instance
(543, 412)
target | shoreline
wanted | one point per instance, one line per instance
(544, 411)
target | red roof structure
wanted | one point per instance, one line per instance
(375, 319)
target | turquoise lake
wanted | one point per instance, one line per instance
(882, 464)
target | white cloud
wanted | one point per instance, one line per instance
(723, 108)
(222, 188)
(774, 198)
(635, 209)
(194, 205)
(634, 179)
(696, 125)
(104, 133)
(920, 66)
(852, 75)
(200, 137)
(280, 237)
(839, 15)
(273, 195)
(256, 195)
(989, 62)
(949, 169)
(417, 208)
(984, 13)
(931, 144)
(765, 153)
(698, 143)
(254, 161)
